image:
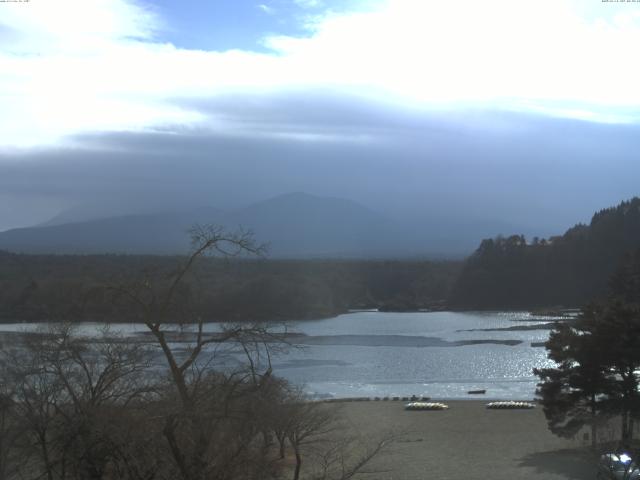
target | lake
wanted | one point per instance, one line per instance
(436, 354)
(395, 366)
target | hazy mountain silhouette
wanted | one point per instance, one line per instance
(300, 224)
(294, 224)
(151, 233)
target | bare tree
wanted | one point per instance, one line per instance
(11, 431)
(207, 427)
(350, 454)
(316, 431)
(308, 424)
(103, 408)
(71, 397)
(36, 394)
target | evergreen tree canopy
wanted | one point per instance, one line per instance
(597, 362)
(568, 270)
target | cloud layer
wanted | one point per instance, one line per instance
(526, 112)
(474, 166)
(106, 68)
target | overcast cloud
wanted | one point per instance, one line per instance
(523, 112)
(533, 171)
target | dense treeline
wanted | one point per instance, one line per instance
(568, 270)
(51, 287)
(597, 360)
(503, 273)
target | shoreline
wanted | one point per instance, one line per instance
(537, 315)
(398, 400)
(468, 441)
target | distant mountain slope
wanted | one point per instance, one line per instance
(157, 233)
(294, 225)
(300, 224)
(566, 270)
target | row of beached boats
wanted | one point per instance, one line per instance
(506, 405)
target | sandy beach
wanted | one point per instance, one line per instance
(469, 441)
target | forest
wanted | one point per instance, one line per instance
(506, 272)
(596, 358)
(567, 270)
(51, 287)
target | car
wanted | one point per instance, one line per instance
(617, 466)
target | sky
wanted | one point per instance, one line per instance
(514, 111)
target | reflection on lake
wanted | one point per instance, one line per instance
(437, 354)
(446, 371)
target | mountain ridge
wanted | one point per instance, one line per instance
(294, 224)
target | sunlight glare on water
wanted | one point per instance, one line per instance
(375, 353)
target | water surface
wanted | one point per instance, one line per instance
(436, 354)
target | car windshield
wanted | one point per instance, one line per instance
(623, 466)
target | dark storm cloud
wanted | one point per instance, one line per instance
(535, 173)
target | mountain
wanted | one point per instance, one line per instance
(151, 233)
(569, 270)
(298, 224)
(294, 225)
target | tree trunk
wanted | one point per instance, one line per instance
(594, 427)
(282, 439)
(45, 457)
(176, 374)
(296, 473)
(2, 447)
(267, 439)
(176, 452)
